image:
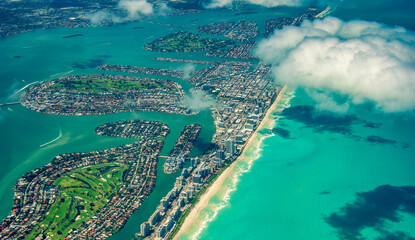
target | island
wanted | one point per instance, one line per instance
(135, 129)
(217, 28)
(182, 148)
(104, 94)
(183, 41)
(142, 70)
(240, 51)
(91, 195)
(23, 16)
(281, 22)
(87, 195)
(243, 31)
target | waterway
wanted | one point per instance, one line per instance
(312, 180)
(29, 140)
(286, 193)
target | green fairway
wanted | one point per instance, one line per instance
(82, 193)
(186, 42)
(106, 85)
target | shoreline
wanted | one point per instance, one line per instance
(218, 183)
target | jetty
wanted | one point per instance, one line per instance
(8, 104)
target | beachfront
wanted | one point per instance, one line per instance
(218, 183)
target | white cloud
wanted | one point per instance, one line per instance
(326, 102)
(187, 69)
(198, 100)
(135, 8)
(366, 61)
(102, 16)
(163, 9)
(265, 3)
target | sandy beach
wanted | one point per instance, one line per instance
(217, 184)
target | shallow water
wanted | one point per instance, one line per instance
(304, 172)
(299, 183)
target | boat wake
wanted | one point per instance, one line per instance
(54, 140)
(60, 74)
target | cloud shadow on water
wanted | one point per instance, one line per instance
(321, 122)
(284, 133)
(91, 63)
(373, 209)
(379, 140)
(332, 123)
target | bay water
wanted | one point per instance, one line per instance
(302, 174)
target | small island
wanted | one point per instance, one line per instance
(104, 94)
(217, 28)
(89, 194)
(182, 148)
(186, 42)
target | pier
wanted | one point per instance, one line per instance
(8, 104)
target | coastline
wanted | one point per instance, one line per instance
(218, 183)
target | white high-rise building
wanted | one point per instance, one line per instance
(230, 147)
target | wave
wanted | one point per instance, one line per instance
(240, 169)
(54, 140)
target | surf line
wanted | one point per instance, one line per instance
(54, 140)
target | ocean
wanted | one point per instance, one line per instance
(319, 175)
(306, 174)
(312, 170)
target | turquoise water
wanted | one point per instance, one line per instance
(302, 176)
(322, 176)
(44, 55)
(300, 180)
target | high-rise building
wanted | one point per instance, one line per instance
(145, 229)
(230, 147)
(220, 154)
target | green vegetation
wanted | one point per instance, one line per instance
(186, 42)
(106, 85)
(82, 193)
